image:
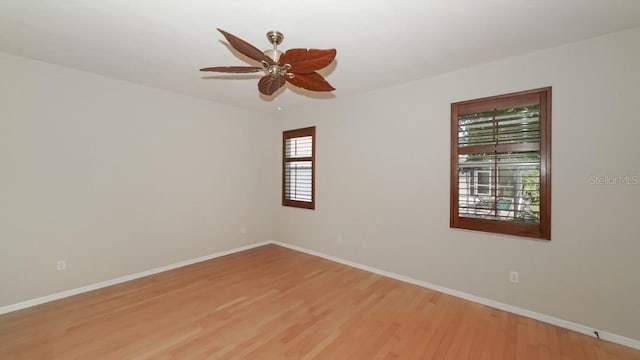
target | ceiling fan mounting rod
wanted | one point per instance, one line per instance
(275, 70)
(275, 38)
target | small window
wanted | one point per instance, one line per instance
(482, 182)
(501, 164)
(298, 167)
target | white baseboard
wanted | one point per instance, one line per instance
(607, 336)
(583, 329)
(87, 288)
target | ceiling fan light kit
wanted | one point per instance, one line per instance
(295, 66)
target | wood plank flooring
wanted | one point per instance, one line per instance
(275, 303)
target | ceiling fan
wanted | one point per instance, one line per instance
(295, 66)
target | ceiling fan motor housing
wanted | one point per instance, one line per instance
(276, 70)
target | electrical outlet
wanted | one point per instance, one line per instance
(513, 277)
(61, 265)
(339, 239)
(364, 244)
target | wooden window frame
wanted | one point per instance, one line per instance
(541, 230)
(289, 134)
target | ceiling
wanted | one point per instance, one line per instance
(163, 43)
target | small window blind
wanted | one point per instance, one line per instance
(298, 168)
(500, 164)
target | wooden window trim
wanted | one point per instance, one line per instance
(289, 134)
(541, 230)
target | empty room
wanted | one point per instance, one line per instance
(319, 179)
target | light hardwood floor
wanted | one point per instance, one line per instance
(275, 303)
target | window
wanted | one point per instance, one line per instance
(482, 182)
(501, 164)
(298, 167)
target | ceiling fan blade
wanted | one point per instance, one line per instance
(233, 69)
(313, 81)
(245, 48)
(268, 85)
(305, 61)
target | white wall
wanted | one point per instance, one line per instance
(118, 178)
(383, 176)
